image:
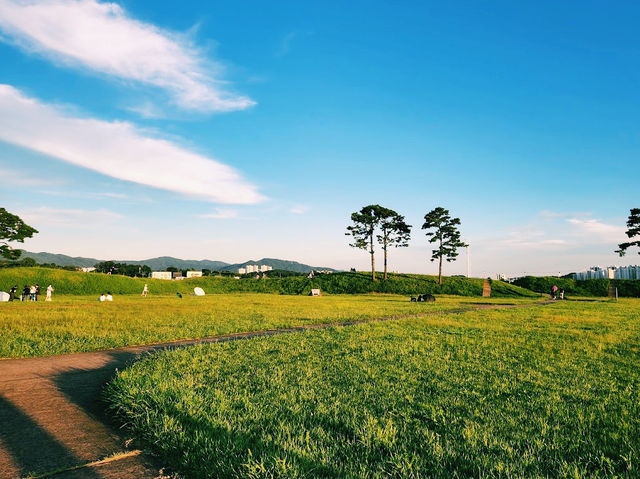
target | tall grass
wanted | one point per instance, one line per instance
(529, 393)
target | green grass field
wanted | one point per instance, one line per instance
(547, 391)
(81, 323)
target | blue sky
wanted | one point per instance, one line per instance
(239, 130)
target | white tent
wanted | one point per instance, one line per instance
(4, 297)
(198, 291)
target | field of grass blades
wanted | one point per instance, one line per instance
(550, 391)
(81, 323)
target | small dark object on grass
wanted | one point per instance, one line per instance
(179, 295)
(426, 298)
(413, 300)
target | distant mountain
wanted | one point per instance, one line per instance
(163, 262)
(60, 259)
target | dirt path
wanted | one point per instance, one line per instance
(52, 421)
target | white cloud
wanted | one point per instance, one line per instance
(45, 216)
(597, 229)
(146, 110)
(298, 210)
(221, 213)
(119, 150)
(103, 38)
(24, 178)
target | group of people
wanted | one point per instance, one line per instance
(105, 297)
(555, 294)
(29, 293)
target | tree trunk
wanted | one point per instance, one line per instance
(373, 263)
(440, 264)
(385, 263)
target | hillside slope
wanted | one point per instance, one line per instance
(77, 283)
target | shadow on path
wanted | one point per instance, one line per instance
(32, 449)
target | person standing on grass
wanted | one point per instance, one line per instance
(32, 293)
(554, 289)
(49, 291)
(25, 293)
(145, 291)
(37, 291)
(12, 293)
(562, 294)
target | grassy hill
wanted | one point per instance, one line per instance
(72, 282)
(629, 288)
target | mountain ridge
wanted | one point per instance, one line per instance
(161, 263)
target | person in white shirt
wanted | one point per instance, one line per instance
(102, 297)
(109, 297)
(50, 290)
(145, 291)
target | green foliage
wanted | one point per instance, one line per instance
(536, 392)
(442, 230)
(78, 283)
(588, 287)
(394, 231)
(633, 223)
(12, 229)
(362, 230)
(138, 270)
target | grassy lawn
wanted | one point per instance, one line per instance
(81, 323)
(550, 391)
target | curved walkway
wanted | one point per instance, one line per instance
(53, 423)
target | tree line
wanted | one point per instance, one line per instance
(389, 229)
(385, 225)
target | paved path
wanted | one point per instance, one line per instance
(52, 421)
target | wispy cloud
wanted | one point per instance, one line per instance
(103, 38)
(221, 213)
(298, 209)
(80, 218)
(25, 178)
(554, 229)
(285, 44)
(598, 229)
(147, 110)
(119, 150)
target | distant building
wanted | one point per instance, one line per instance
(628, 272)
(611, 272)
(254, 268)
(161, 275)
(194, 274)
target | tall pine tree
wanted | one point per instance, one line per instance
(442, 230)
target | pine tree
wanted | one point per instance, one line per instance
(444, 234)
